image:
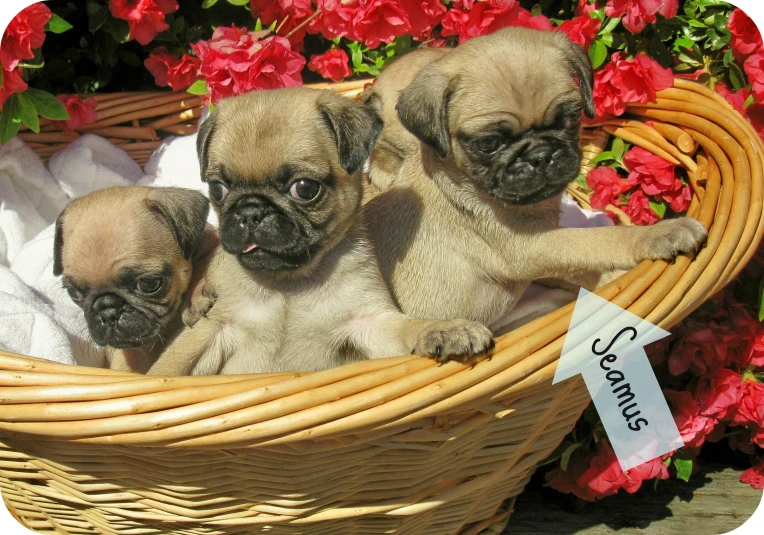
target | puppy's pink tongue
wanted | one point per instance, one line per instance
(249, 248)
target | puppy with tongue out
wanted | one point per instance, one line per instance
(298, 287)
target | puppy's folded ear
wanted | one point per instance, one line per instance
(185, 211)
(203, 138)
(423, 109)
(355, 126)
(58, 245)
(582, 69)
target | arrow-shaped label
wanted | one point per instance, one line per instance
(605, 344)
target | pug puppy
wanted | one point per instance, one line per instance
(395, 143)
(131, 258)
(498, 122)
(298, 288)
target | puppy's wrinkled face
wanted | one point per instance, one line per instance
(505, 110)
(121, 261)
(282, 169)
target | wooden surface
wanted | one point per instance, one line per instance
(713, 503)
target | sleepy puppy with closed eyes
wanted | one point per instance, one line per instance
(297, 285)
(497, 124)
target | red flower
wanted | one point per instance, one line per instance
(638, 209)
(750, 410)
(754, 476)
(584, 7)
(380, 21)
(82, 112)
(287, 14)
(746, 38)
(754, 112)
(145, 17)
(423, 16)
(637, 14)
(629, 80)
(755, 354)
(717, 396)
(470, 18)
(177, 73)
(581, 30)
(709, 346)
(607, 186)
(332, 65)
(24, 34)
(657, 177)
(605, 476)
(693, 426)
(336, 19)
(12, 83)
(234, 61)
(754, 68)
(566, 481)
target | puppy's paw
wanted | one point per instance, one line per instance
(459, 340)
(199, 303)
(668, 239)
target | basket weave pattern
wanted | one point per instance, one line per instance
(397, 445)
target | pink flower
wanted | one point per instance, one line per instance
(746, 38)
(332, 65)
(750, 410)
(710, 346)
(607, 186)
(24, 34)
(754, 476)
(581, 30)
(693, 426)
(82, 112)
(605, 476)
(470, 18)
(754, 68)
(12, 83)
(654, 174)
(637, 14)
(234, 61)
(423, 16)
(287, 14)
(336, 19)
(145, 17)
(380, 21)
(718, 396)
(624, 81)
(638, 209)
(177, 73)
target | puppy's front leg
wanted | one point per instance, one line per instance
(192, 350)
(394, 333)
(559, 252)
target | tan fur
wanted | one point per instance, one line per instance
(333, 310)
(448, 250)
(113, 229)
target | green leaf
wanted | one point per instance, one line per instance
(610, 26)
(683, 42)
(737, 78)
(683, 469)
(619, 149)
(238, 2)
(258, 23)
(208, 3)
(198, 88)
(47, 105)
(97, 16)
(9, 121)
(57, 25)
(602, 157)
(667, 462)
(761, 300)
(598, 53)
(28, 113)
(658, 208)
(729, 57)
(565, 458)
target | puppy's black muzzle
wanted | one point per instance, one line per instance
(113, 322)
(534, 168)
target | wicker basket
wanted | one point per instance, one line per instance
(398, 445)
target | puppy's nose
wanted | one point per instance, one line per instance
(109, 308)
(251, 211)
(537, 157)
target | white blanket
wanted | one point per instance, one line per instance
(37, 317)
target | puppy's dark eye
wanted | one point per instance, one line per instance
(305, 190)
(149, 285)
(489, 144)
(75, 294)
(218, 191)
